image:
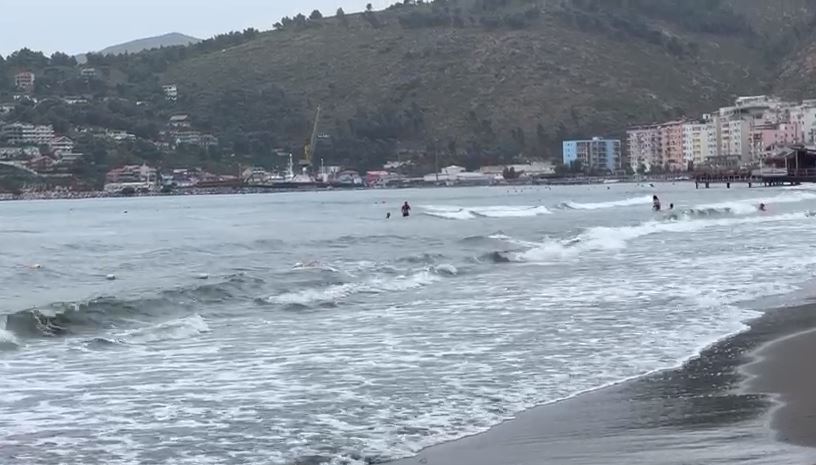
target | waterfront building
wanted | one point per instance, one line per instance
(671, 146)
(136, 177)
(596, 154)
(699, 141)
(643, 148)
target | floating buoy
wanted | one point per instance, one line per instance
(36, 266)
(203, 276)
(111, 277)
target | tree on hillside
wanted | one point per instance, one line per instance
(316, 14)
(340, 13)
(25, 58)
(62, 59)
(369, 7)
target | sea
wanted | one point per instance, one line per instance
(307, 328)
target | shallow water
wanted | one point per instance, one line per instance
(306, 328)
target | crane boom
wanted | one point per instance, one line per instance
(308, 153)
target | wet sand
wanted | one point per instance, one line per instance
(787, 369)
(708, 411)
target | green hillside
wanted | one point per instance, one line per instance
(469, 81)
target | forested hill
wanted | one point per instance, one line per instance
(472, 81)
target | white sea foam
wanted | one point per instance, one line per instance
(394, 372)
(467, 213)
(181, 328)
(642, 200)
(375, 285)
(749, 206)
(615, 238)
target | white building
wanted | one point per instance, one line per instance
(88, 73)
(61, 144)
(734, 138)
(25, 81)
(21, 134)
(170, 92)
(699, 142)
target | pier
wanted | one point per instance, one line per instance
(794, 166)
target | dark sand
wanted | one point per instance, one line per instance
(697, 414)
(787, 368)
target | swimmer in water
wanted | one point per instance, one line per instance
(388, 216)
(671, 206)
(406, 210)
(762, 207)
(655, 203)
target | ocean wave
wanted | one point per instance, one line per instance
(74, 318)
(642, 200)
(377, 285)
(468, 213)
(615, 238)
(181, 328)
(8, 341)
(749, 206)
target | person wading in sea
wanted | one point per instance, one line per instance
(655, 204)
(406, 210)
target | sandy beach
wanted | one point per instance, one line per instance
(715, 409)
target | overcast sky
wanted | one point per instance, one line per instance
(76, 26)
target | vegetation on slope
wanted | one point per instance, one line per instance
(468, 81)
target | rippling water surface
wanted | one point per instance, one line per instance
(307, 328)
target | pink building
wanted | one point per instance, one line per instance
(671, 146)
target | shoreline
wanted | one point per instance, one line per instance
(725, 402)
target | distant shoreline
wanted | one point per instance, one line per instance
(60, 195)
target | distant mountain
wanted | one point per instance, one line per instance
(167, 40)
(135, 46)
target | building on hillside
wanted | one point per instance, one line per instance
(41, 164)
(61, 144)
(597, 154)
(170, 92)
(22, 134)
(643, 148)
(25, 81)
(75, 100)
(180, 123)
(19, 153)
(89, 73)
(699, 142)
(69, 157)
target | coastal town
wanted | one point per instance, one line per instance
(751, 133)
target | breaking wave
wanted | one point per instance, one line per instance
(8, 341)
(468, 213)
(616, 238)
(642, 200)
(74, 318)
(376, 285)
(181, 328)
(749, 206)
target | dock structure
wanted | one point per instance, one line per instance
(793, 166)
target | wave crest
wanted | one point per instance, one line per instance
(641, 200)
(468, 213)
